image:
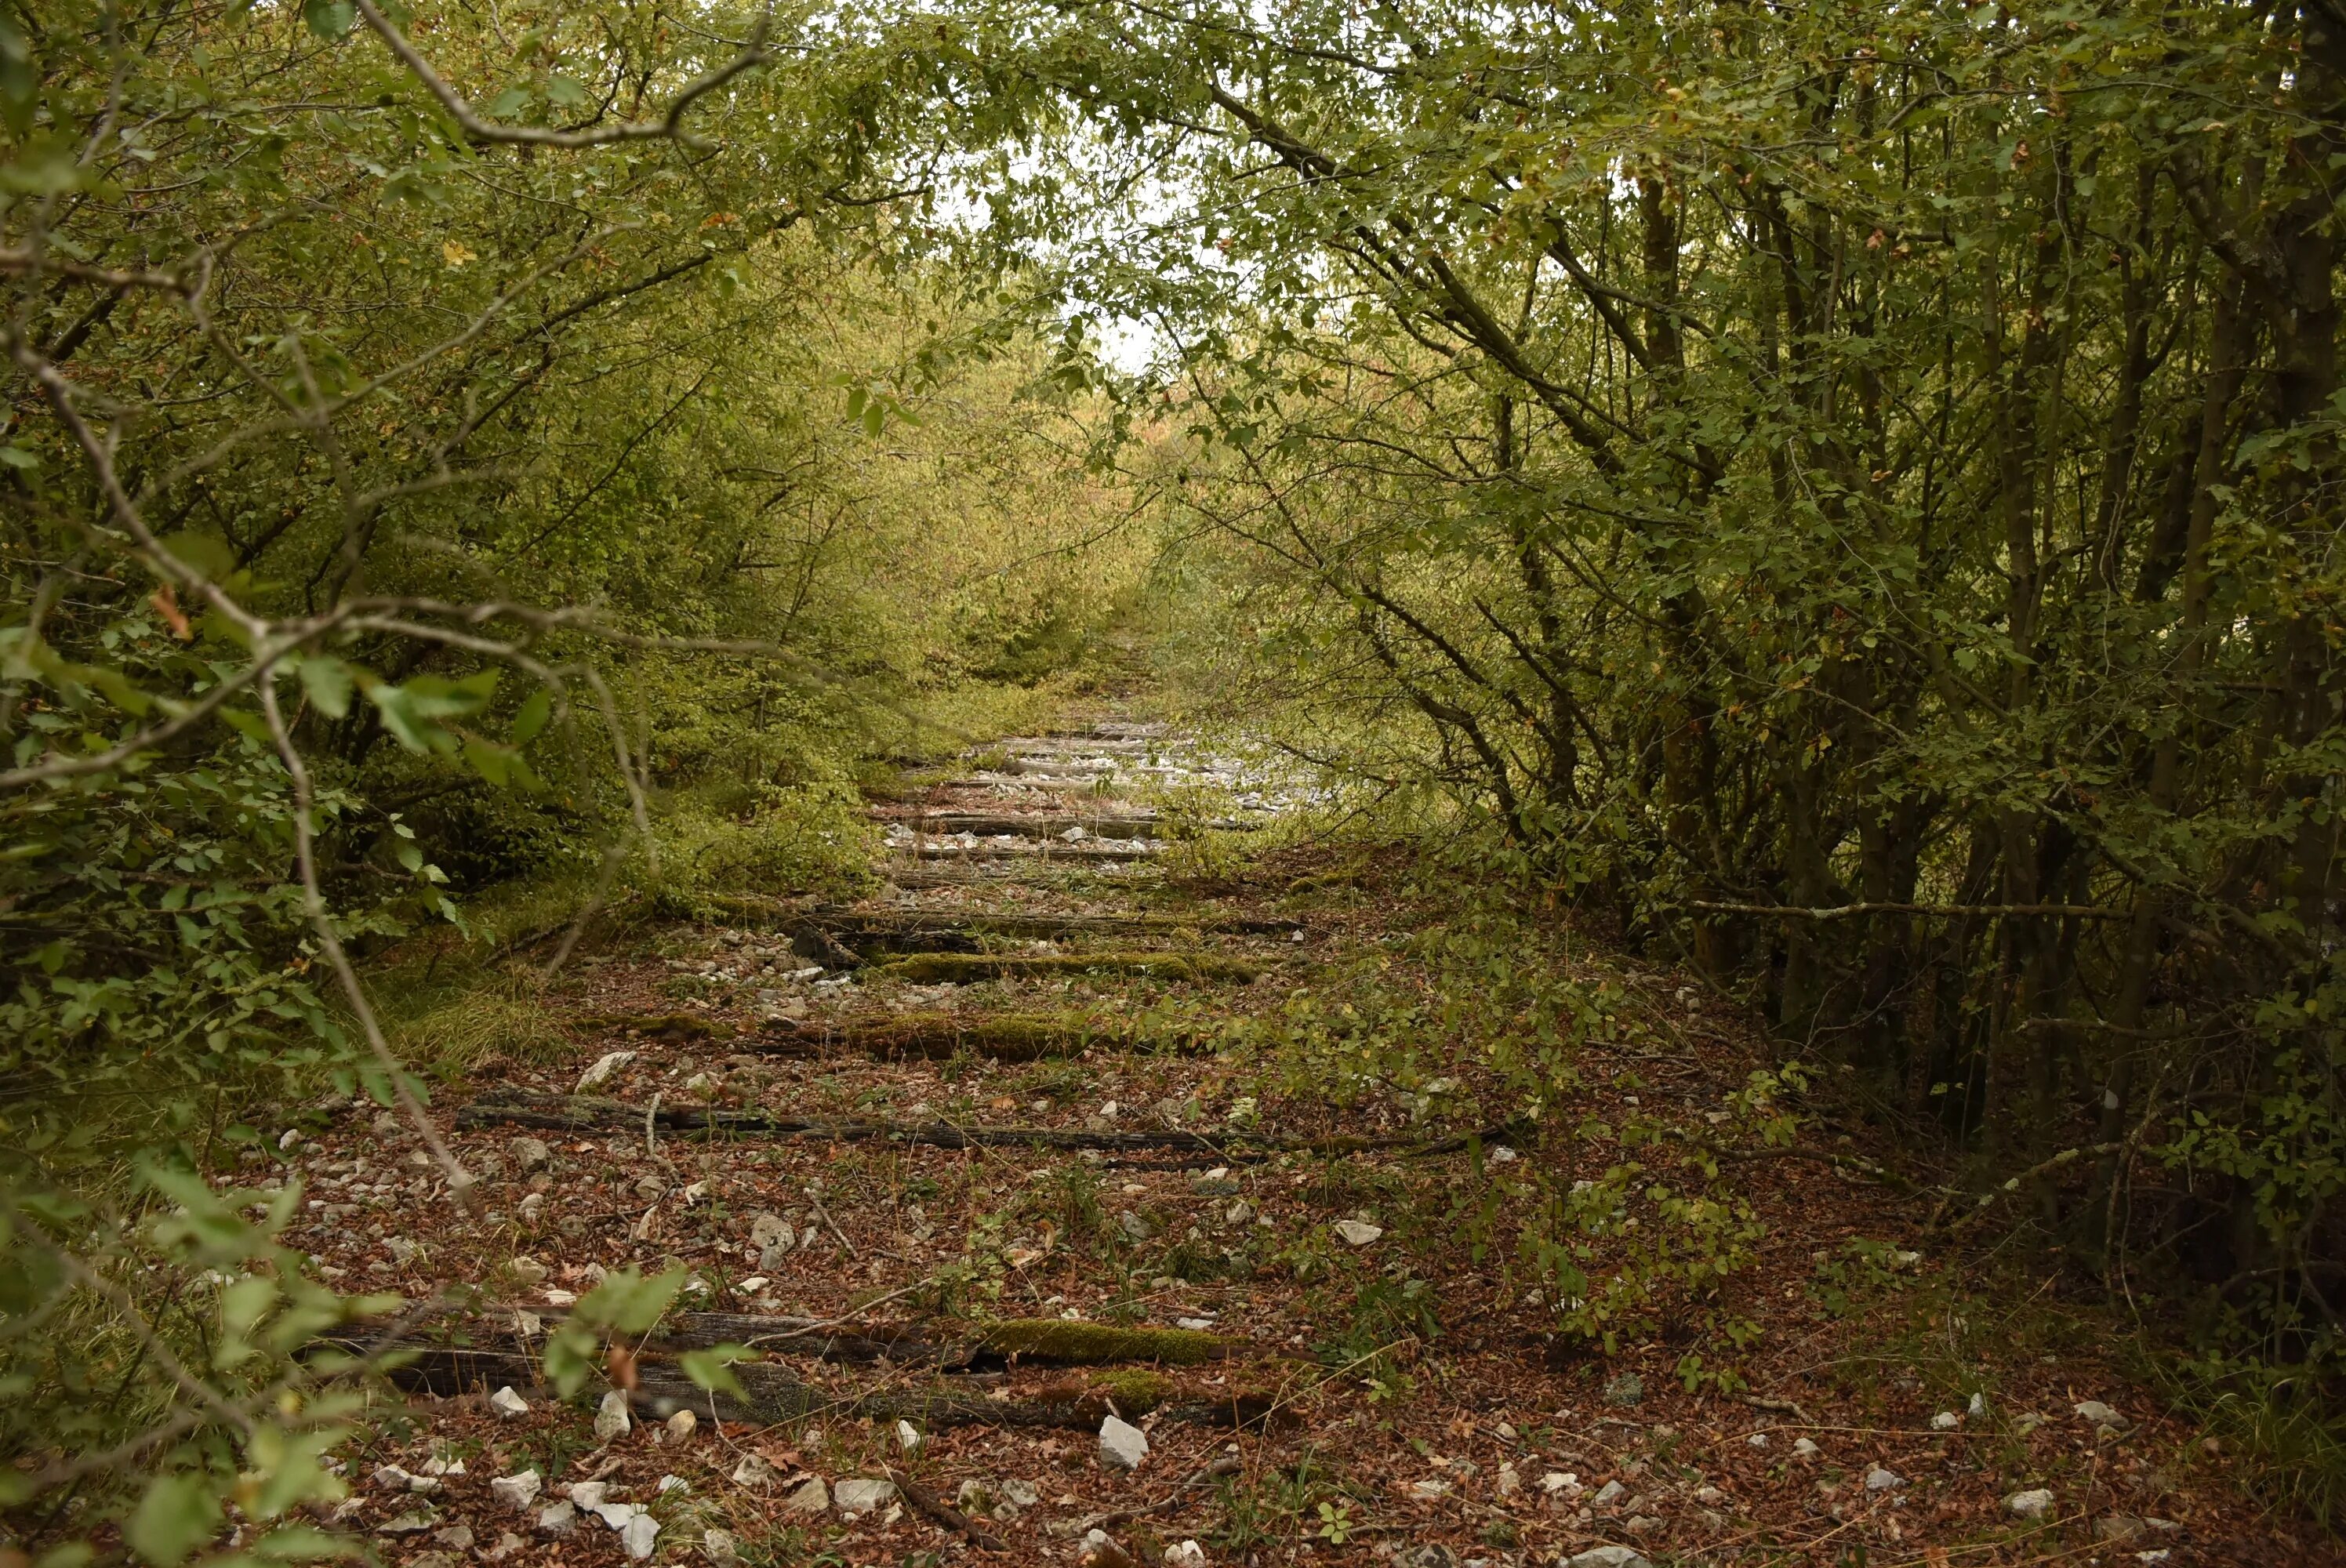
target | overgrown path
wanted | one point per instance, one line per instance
(1040, 1198)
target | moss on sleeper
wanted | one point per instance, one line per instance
(1059, 1340)
(966, 967)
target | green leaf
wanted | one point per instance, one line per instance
(569, 1358)
(329, 682)
(17, 457)
(490, 761)
(330, 19)
(711, 1369)
(628, 1302)
(178, 1513)
(207, 552)
(535, 709)
(414, 711)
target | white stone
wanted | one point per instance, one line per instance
(1804, 1448)
(1188, 1555)
(2031, 1504)
(1358, 1232)
(600, 1074)
(908, 1437)
(668, 1483)
(639, 1534)
(1508, 1482)
(2099, 1414)
(518, 1490)
(811, 1496)
(588, 1493)
(1558, 1481)
(611, 1420)
(1881, 1480)
(1428, 1490)
(1757, 1440)
(755, 1471)
(1611, 1493)
(721, 1547)
(1122, 1444)
(616, 1514)
(682, 1425)
(1977, 1409)
(1945, 1422)
(528, 1271)
(558, 1518)
(863, 1495)
(1607, 1557)
(506, 1403)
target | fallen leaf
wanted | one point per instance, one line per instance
(620, 1363)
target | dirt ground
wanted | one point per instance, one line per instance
(1351, 1368)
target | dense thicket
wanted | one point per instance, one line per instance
(1851, 491)
(1873, 462)
(501, 441)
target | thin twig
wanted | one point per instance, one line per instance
(461, 1182)
(824, 1215)
(667, 127)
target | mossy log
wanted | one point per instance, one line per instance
(773, 1394)
(940, 1036)
(967, 968)
(1032, 873)
(947, 1344)
(1035, 824)
(855, 924)
(894, 931)
(589, 1112)
(672, 1027)
(1033, 850)
(1058, 1341)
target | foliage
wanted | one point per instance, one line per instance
(1488, 1027)
(1849, 492)
(442, 448)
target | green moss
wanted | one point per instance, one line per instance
(1136, 1392)
(1005, 1037)
(1058, 1340)
(965, 968)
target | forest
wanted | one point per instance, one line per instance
(1615, 732)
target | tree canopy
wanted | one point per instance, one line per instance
(1845, 496)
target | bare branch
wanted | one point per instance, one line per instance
(668, 126)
